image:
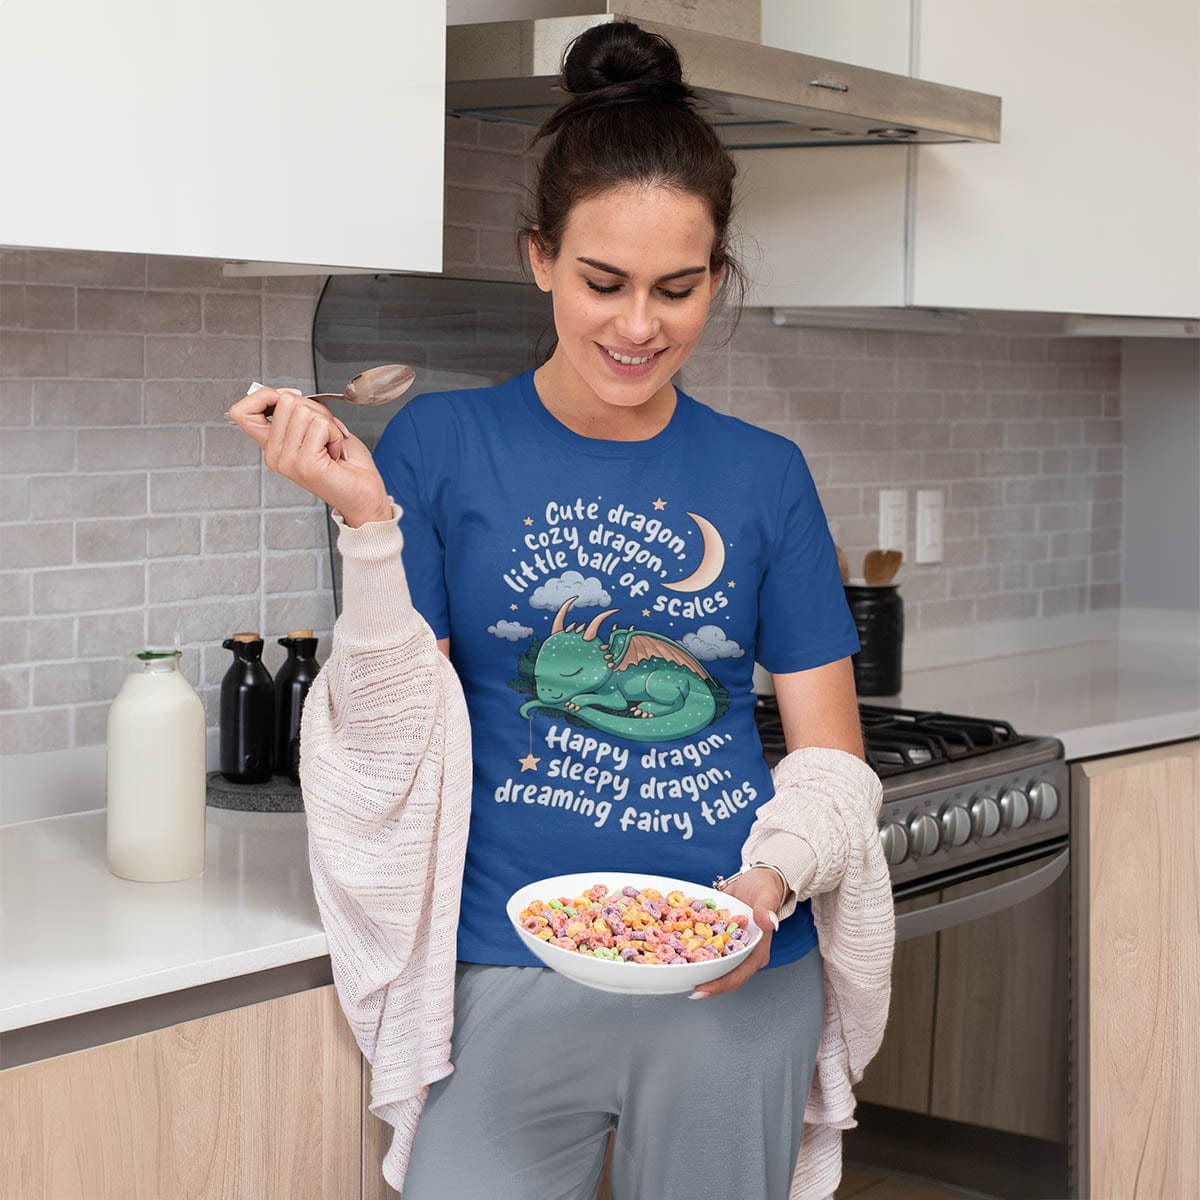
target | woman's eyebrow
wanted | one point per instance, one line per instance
(609, 270)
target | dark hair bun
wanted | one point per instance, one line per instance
(618, 62)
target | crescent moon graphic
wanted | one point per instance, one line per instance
(712, 562)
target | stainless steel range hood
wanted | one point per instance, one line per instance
(757, 96)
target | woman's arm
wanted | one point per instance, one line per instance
(819, 707)
(444, 646)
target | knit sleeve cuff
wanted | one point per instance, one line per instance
(793, 856)
(376, 606)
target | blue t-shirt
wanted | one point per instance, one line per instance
(584, 582)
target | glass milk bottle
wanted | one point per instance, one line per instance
(156, 774)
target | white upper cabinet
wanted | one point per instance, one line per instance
(1090, 203)
(279, 131)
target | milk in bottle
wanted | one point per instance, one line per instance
(156, 774)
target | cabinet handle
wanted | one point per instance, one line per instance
(833, 87)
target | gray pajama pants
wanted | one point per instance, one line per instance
(707, 1096)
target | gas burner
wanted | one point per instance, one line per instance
(899, 740)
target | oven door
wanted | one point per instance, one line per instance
(970, 1084)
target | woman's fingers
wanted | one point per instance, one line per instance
(250, 412)
(755, 960)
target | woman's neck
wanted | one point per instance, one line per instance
(571, 401)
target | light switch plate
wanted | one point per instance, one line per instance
(893, 519)
(931, 509)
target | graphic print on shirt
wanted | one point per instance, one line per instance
(635, 684)
(638, 685)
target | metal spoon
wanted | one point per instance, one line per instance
(368, 389)
(377, 385)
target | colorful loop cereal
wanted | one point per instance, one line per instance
(637, 926)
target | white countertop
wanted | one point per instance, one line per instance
(1097, 697)
(75, 938)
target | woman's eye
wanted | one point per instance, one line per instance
(678, 295)
(607, 291)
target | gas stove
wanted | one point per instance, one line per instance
(958, 792)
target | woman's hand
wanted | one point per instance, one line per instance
(304, 442)
(763, 890)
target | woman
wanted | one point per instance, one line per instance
(603, 559)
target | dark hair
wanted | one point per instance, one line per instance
(630, 119)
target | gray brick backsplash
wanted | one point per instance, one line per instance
(16, 590)
(79, 681)
(290, 573)
(227, 533)
(37, 451)
(130, 449)
(196, 579)
(37, 639)
(35, 729)
(202, 491)
(82, 496)
(84, 589)
(132, 510)
(89, 402)
(109, 632)
(37, 544)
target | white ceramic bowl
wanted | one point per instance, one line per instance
(607, 975)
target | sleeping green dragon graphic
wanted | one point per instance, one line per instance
(637, 685)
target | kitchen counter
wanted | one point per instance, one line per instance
(1097, 697)
(75, 938)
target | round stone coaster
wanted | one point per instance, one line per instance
(277, 794)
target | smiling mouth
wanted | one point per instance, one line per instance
(633, 360)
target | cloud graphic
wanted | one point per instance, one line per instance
(555, 592)
(709, 642)
(510, 631)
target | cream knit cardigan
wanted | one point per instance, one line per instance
(385, 767)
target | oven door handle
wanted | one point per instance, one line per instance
(983, 904)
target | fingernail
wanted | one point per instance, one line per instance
(698, 995)
(773, 919)
(294, 391)
(254, 387)
(229, 418)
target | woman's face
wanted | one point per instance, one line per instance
(631, 287)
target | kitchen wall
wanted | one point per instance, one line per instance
(132, 510)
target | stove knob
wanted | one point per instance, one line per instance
(956, 825)
(985, 817)
(1043, 800)
(1014, 809)
(924, 835)
(895, 842)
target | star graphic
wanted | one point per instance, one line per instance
(645, 612)
(528, 763)
(660, 504)
(528, 520)
(513, 607)
(730, 583)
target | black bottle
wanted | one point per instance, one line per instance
(247, 713)
(291, 686)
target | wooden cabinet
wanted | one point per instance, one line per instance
(261, 1101)
(1088, 204)
(1136, 820)
(226, 130)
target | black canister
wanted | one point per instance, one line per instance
(247, 713)
(291, 686)
(878, 615)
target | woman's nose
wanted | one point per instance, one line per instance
(635, 323)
